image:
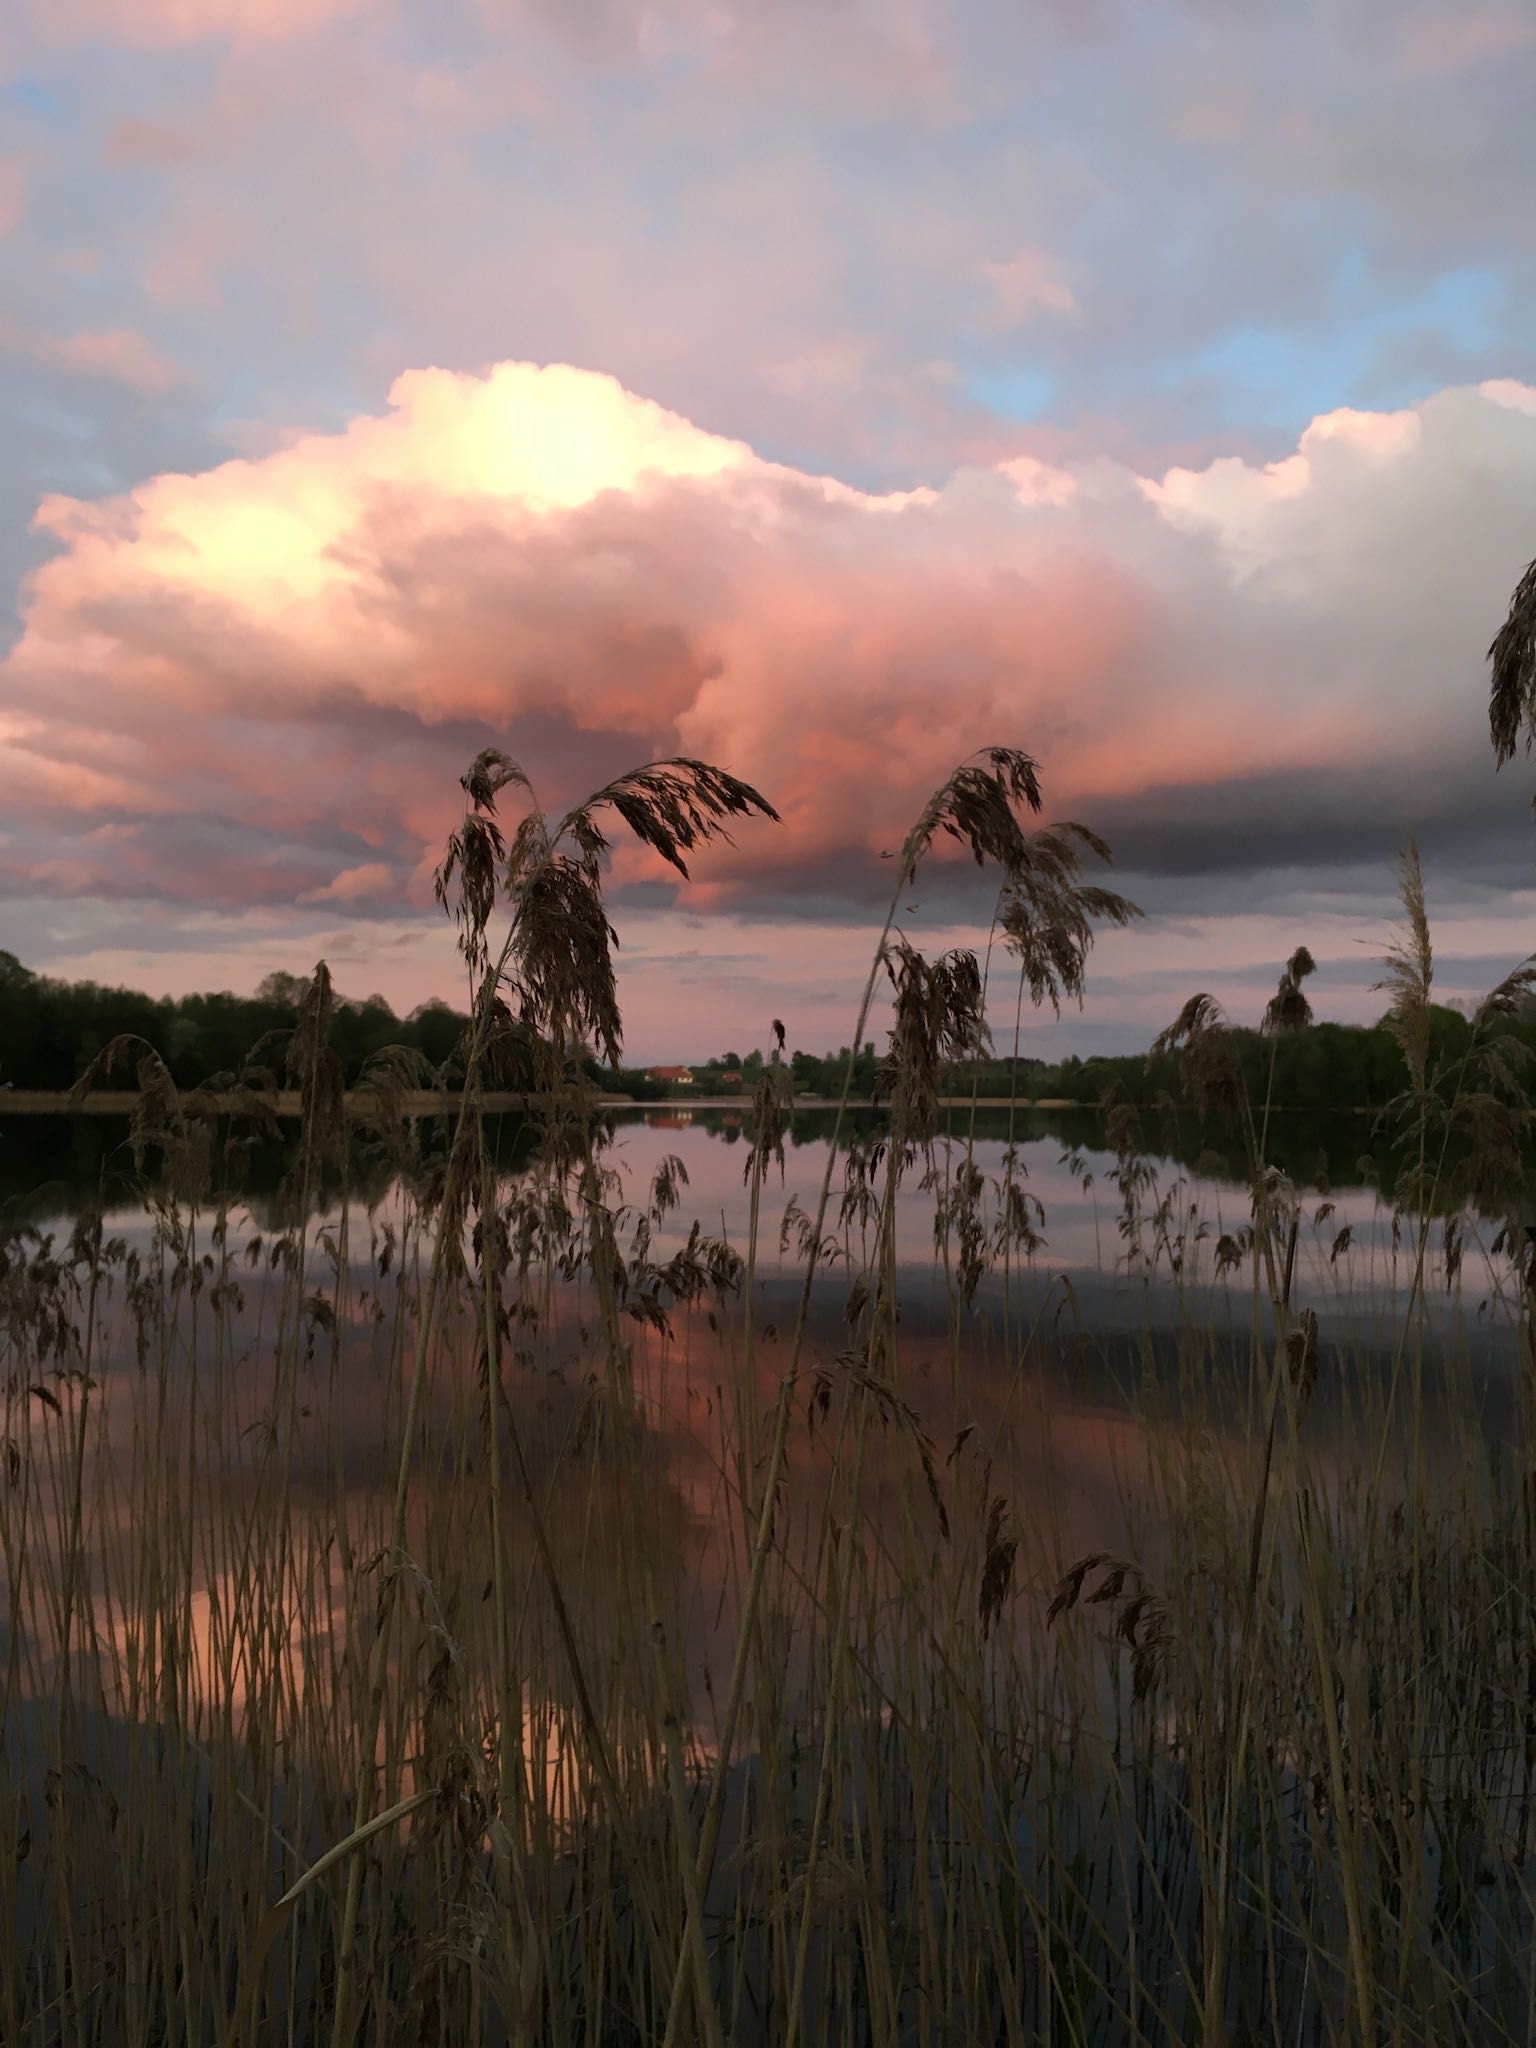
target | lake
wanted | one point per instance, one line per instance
(1123, 1295)
(216, 1408)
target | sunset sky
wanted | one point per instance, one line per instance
(825, 388)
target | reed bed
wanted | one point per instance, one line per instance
(505, 1610)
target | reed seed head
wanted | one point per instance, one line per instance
(1289, 1012)
(1512, 681)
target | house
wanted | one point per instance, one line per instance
(671, 1077)
(731, 1078)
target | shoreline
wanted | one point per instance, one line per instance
(426, 1102)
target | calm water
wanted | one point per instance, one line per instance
(1186, 1198)
(1112, 1300)
(1058, 1386)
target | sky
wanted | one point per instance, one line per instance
(825, 390)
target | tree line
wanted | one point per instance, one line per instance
(51, 1030)
(1327, 1066)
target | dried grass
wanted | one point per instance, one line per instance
(521, 1746)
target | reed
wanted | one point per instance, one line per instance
(503, 1609)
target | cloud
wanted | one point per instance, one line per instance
(277, 667)
(158, 24)
(852, 234)
(117, 355)
(13, 193)
(1085, 273)
(1029, 284)
(374, 881)
(1435, 42)
(134, 143)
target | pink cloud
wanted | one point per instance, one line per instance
(133, 143)
(44, 768)
(869, 53)
(121, 355)
(13, 193)
(1437, 40)
(299, 651)
(156, 24)
(373, 881)
(1026, 285)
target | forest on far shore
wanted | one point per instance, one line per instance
(51, 1030)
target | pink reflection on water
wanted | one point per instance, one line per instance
(207, 1450)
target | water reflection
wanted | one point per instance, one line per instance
(55, 1165)
(204, 1424)
(270, 1398)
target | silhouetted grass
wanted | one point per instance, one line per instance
(453, 1597)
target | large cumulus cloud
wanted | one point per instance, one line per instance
(256, 684)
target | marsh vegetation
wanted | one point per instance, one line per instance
(456, 1595)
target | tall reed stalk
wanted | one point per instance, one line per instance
(454, 1600)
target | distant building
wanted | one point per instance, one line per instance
(671, 1077)
(731, 1078)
